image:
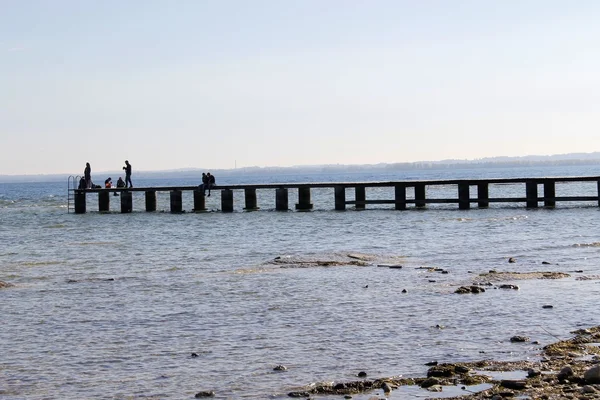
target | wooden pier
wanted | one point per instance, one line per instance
(463, 197)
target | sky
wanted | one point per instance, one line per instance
(223, 83)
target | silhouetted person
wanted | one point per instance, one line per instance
(82, 183)
(211, 182)
(204, 184)
(120, 183)
(108, 183)
(87, 174)
(127, 169)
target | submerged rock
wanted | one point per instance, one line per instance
(298, 394)
(469, 289)
(280, 368)
(507, 286)
(512, 276)
(206, 393)
(386, 387)
(5, 284)
(446, 370)
(429, 382)
(435, 388)
(519, 339)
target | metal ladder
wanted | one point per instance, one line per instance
(74, 181)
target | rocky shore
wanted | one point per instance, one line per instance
(568, 369)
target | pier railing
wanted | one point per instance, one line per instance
(463, 197)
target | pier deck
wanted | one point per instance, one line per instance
(400, 201)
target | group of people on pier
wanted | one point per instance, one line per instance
(208, 182)
(86, 181)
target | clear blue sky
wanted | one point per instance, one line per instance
(178, 84)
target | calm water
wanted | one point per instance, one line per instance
(113, 306)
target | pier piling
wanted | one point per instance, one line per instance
(483, 195)
(250, 198)
(549, 194)
(227, 200)
(360, 196)
(104, 201)
(150, 196)
(80, 201)
(281, 199)
(420, 195)
(531, 193)
(400, 197)
(304, 201)
(176, 201)
(464, 196)
(340, 198)
(126, 202)
(199, 201)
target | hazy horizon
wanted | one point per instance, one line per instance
(533, 160)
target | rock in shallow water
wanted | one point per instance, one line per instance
(519, 339)
(206, 393)
(469, 289)
(513, 384)
(298, 394)
(507, 286)
(386, 387)
(429, 382)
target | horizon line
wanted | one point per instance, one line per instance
(450, 161)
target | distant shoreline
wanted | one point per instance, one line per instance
(496, 162)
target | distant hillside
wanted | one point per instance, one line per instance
(488, 162)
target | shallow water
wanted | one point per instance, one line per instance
(113, 306)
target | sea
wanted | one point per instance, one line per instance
(164, 306)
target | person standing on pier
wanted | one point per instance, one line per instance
(87, 174)
(127, 169)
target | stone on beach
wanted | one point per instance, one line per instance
(592, 375)
(565, 373)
